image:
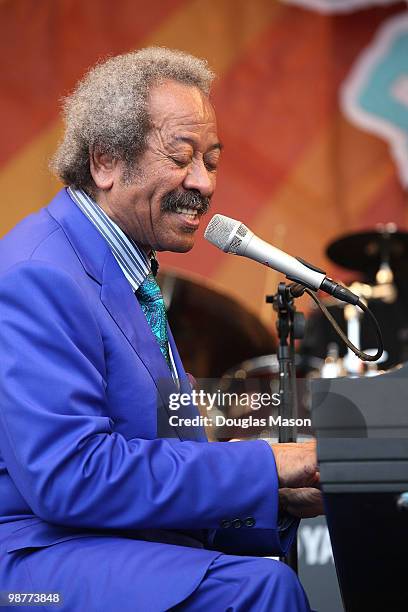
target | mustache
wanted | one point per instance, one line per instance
(185, 199)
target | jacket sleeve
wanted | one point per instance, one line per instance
(58, 440)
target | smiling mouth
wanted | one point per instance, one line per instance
(190, 212)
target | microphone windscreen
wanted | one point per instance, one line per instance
(221, 231)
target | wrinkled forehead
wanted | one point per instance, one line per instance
(172, 104)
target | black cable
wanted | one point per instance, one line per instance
(363, 356)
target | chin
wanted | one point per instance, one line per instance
(184, 249)
(177, 247)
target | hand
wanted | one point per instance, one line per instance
(296, 464)
(302, 503)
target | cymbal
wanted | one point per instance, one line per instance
(365, 251)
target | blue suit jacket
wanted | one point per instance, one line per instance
(80, 390)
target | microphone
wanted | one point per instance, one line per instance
(234, 237)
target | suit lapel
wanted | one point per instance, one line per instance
(118, 298)
(121, 303)
(190, 411)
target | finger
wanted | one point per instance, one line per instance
(304, 502)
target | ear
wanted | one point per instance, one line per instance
(103, 169)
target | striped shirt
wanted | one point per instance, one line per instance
(133, 261)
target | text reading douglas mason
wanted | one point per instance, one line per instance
(242, 422)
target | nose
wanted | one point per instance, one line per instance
(199, 178)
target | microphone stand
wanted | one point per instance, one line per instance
(290, 325)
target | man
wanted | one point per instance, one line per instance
(94, 506)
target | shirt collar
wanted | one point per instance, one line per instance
(133, 261)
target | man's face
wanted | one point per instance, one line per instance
(175, 177)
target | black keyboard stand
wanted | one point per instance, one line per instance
(362, 430)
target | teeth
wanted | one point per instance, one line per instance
(187, 211)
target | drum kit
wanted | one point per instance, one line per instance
(381, 259)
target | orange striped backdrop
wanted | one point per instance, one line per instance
(294, 169)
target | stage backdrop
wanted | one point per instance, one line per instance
(312, 104)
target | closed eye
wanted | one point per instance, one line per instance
(211, 161)
(181, 163)
(211, 166)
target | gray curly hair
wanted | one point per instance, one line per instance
(108, 109)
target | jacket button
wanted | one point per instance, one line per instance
(225, 523)
(250, 521)
(237, 523)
